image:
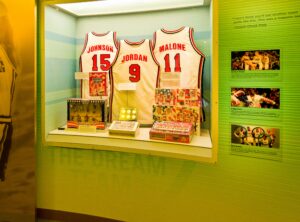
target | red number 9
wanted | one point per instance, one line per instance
(135, 73)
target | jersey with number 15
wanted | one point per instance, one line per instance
(135, 64)
(98, 54)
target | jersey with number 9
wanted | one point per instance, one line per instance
(135, 64)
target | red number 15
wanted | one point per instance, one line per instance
(104, 62)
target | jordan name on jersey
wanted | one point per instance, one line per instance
(132, 57)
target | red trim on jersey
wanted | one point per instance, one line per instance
(112, 82)
(100, 34)
(85, 43)
(117, 44)
(80, 61)
(200, 83)
(134, 43)
(154, 40)
(152, 52)
(191, 36)
(157, 63)
(111, 94)
(202, 59)
(158, 78)
(172, 31)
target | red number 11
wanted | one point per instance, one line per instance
(177, 63)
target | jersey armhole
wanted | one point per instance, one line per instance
(116, 42)
(154, 41)
(152, 52)
(191, 36)
(118, 46)
(156, 62)
(85, 43)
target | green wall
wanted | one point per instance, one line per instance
(141, 188)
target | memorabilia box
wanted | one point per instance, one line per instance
(86, 112)
(172, 131)
(178, 114)
(123, 127)
(178, 105)
(177, 97)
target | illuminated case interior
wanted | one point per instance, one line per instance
(61, 38)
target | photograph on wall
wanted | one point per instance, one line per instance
(17, 111)
(266, 98)
(258, 136)
(255, 60)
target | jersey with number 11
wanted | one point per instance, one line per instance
(178, 54)
(135, 64)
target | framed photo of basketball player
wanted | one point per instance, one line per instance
(261, 136)
(255, 60)
(265, 98)
(256, 141)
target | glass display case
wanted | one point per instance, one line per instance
(63, 26)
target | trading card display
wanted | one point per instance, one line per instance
(177, 97)
(123, 127)
(86, 112)
(179, 105)
(178, 114)
(97, 83)
(172, 132)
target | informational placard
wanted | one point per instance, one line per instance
(258, 47)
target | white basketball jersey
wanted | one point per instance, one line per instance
(7, 81)
(178, 55)
(3, 134)
(98, 54)
(135, 64)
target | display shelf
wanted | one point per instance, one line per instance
(200, 149)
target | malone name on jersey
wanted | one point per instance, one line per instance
(94, 48)
(130, 57)
(172, 46)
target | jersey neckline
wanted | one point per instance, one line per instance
(173, 31)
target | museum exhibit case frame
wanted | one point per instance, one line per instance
(60, 41)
